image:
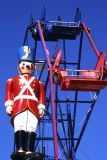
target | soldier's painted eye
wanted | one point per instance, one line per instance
(31, 66)
(23, 64)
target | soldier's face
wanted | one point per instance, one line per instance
(26, 67)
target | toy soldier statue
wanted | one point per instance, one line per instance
(25, 103)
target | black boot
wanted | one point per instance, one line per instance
(30, 144)
(30, 147)
(19, 154)
(30, 141)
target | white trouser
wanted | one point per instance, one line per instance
(25, 121)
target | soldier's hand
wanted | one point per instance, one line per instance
(9, 110)
(41, 113)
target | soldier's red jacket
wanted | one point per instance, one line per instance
(25, 92)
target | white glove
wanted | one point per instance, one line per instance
(41, 113)
(9, 110)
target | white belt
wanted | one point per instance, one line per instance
(25, 97)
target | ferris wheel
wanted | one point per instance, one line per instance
(71, 89)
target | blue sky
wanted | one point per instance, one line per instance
(14, 17)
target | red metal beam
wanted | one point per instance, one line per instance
(90, 39)
(52, 91)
